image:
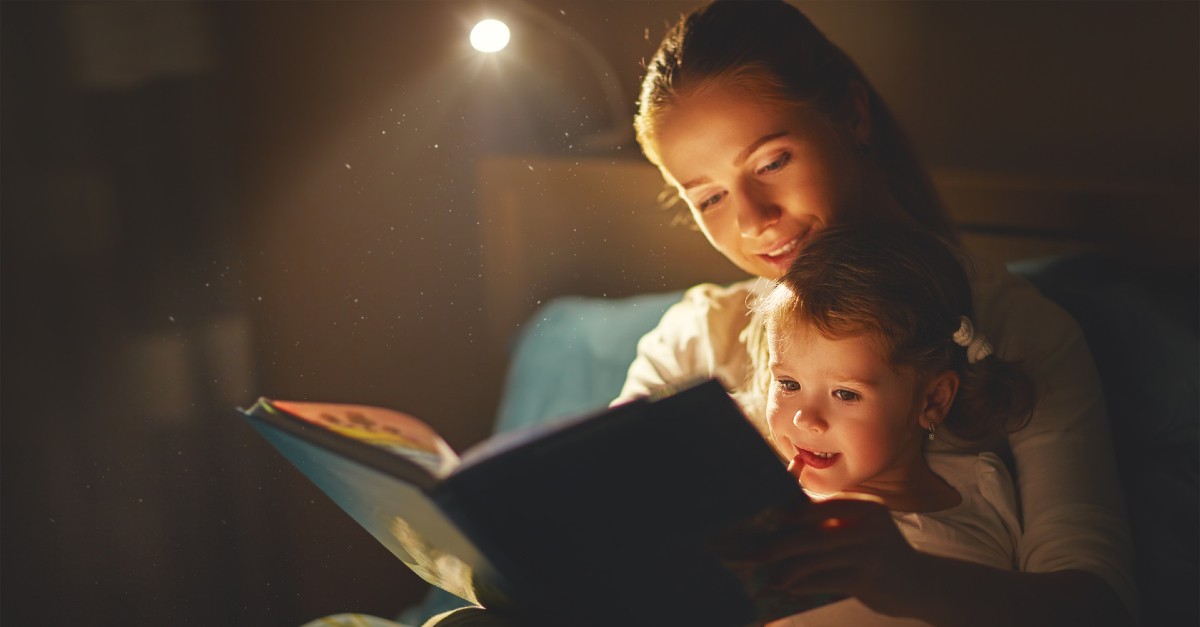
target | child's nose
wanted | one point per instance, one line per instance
(808, 420)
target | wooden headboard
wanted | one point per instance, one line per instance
(593, 227)
(552, 226)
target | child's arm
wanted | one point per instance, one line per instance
(864, 555)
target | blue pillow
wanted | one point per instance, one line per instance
(572, 355)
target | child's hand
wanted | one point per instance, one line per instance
(740, 547)
(843, 547)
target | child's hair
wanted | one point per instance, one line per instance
(772, 50)
(906, 289)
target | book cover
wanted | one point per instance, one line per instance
(603, 518)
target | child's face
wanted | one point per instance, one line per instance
(839, 410)
(759, 177)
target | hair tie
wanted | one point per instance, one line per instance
(976, 344)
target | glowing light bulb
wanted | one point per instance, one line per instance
(489, 36)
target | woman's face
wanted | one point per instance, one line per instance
(759, 177)
(846, 418)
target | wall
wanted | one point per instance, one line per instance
(205, 202)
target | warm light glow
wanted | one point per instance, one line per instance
(489, 36)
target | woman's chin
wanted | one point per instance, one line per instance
(764, 270)
(774, 268)
(762, 266)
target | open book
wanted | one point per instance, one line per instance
(601, 519)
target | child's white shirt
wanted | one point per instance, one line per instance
(984, 527)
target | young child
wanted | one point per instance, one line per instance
(873, 362)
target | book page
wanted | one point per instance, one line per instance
(390, 430)
(401, 516)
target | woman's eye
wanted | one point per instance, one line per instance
(846, 395)
(788, 385)
(709, 201)
(775, 164)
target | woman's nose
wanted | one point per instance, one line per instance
(757, 211)
(808, 420)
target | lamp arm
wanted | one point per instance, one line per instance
(620, 123)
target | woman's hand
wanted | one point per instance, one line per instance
(853, 548)
(843, 547)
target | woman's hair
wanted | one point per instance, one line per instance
(906, 289)
(774, 51)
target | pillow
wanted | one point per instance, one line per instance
(572, 355)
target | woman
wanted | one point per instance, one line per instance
(770, 133)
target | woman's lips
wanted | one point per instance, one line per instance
(814, 460)
(786, 248)
(782, 255)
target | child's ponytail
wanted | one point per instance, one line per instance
(995, 398)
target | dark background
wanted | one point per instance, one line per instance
(207, 202)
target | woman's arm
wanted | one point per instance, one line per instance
(1073, 514)
(964, 593)
(696, 337)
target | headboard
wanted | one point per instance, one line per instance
(552, 226)
(591, 227)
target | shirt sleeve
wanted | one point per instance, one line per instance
(697, 337)
(1073, 513)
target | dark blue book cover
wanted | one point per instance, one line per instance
(603, 518)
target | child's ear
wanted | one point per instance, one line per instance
(937, 398)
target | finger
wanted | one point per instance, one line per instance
(839, 581)
(787, 571)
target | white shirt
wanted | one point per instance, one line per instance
(984, 527)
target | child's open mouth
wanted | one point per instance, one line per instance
(816, 459)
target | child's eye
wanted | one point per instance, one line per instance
(775, 164)
(787, 385)
(846, 395)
